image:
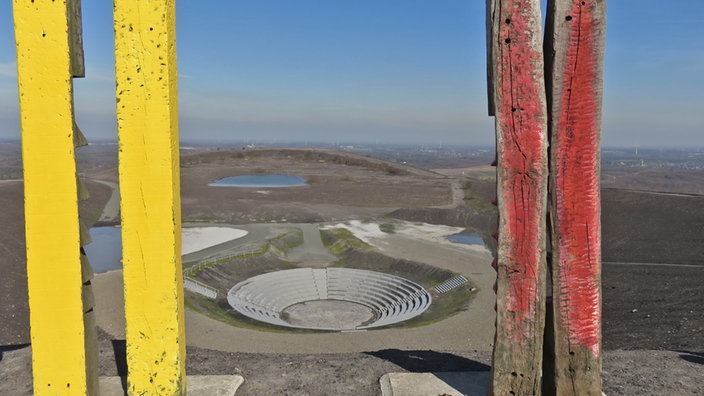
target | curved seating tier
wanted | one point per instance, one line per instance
(391, 298)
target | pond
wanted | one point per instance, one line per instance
(467, 238)
(260, 181)
(105, 252)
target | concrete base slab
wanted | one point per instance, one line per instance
(196, 385)
(432, 384)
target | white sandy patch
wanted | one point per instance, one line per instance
(194, 239)
(371, 234)
(425, 230)
(362, 231)
(435, 233)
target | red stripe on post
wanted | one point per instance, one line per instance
(521, 142)
(575, 41)
(576, 142)
(521, 123)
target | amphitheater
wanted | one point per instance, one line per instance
(329, 298)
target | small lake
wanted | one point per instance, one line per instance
(260, 181)
(466, 238)
(105, 252)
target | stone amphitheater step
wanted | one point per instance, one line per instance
(391, 290)
(320, 276)
(375, 290)
(451, 284)
(375, 304)
(393, 299)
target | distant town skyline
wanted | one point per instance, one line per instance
(367, 71)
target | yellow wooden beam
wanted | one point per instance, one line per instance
(51, 209)
(145, 63)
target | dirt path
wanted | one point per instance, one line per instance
(457, 196)
(312, 252)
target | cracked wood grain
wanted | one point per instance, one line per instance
(147, 115)
(521, 141)
(574, 57)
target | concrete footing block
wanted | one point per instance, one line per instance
(469, 383)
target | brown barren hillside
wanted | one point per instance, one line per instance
(652, 275)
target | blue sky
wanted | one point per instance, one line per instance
(377, 71)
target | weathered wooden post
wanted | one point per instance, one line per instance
(574, 49)
(574, 46)
(516, 59)
(49, 55)
(147, 117)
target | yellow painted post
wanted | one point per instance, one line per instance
(63, 350)
(145, 63)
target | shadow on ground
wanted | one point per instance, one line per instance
(692, 357)
(428, 361)
(119, 348)
(8, 348)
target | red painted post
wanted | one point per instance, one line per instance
(521, 142)
(574, 49)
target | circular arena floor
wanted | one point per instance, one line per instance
(329, 298)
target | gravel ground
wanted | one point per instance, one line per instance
(653, 316)
(642, 372)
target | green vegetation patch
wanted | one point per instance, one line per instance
(338, 240)
(289, 240)
(195, 269)
(475, 200)
(388, 228)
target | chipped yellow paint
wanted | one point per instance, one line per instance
(145, 64)
(54, 273)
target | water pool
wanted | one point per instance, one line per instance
(260, 181)
(466, 238)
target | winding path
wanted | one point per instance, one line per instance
(456, 196)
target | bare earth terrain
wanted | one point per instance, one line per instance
(653, 271)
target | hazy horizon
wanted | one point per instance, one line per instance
(394, 72)
(235, 143)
